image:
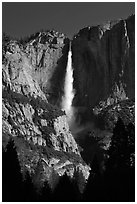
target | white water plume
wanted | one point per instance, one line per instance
(68, 89)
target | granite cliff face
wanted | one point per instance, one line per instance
(45, 53)
(43, 141)
(48, 54)
(103, 59)
(104, 83)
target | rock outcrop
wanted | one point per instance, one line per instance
(47, 53)
(103, 57)
(44, 143)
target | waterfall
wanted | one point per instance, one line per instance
(126, 35)
(68, 89)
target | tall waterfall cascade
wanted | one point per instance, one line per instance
(68, 89)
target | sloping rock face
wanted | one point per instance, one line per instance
(103, 58)
(47, 53)
(44, 143)
(17, 73)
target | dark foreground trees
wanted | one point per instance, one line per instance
(15, 188)
(120, 172)
(117, 184)
(11, 174)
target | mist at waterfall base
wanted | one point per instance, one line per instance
(67, 99)
(79, 129)
(66, 104)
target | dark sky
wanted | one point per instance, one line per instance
(22, 19)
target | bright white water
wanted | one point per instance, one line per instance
(68, 89)
(126, 34)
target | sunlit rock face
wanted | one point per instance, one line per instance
(47, 52)
(43, 141)
(17, 73)
(103, 57)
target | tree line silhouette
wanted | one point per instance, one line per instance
(15, 188)
(116, 184)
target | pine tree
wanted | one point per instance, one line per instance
(131, 138)
(118, 171)
(89, 192)
(64, 191)
(11, 174)
(95, 190)
(95, 165)
(119, 151)
(46, 194)
(29, 192)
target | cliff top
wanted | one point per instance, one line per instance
(103, 26)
